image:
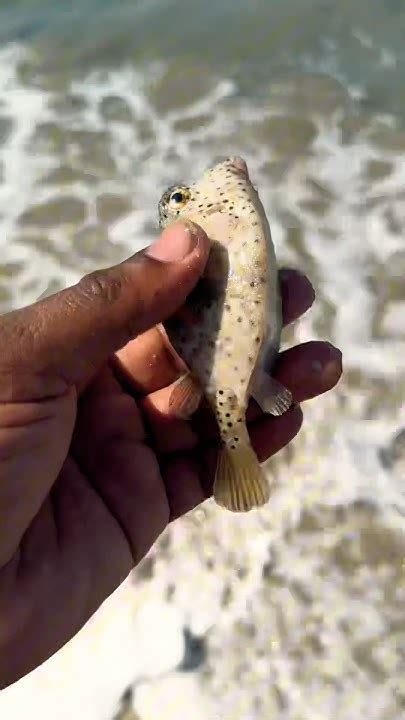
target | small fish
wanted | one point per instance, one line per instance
(228, 333)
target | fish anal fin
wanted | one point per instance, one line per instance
(271, 396)
(240, 483)
(185, 396)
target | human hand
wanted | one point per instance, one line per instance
(92, 464)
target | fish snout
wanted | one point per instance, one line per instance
(239, 164)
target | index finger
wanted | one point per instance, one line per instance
(149, 362)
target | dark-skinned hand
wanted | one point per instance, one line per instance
(93, 465)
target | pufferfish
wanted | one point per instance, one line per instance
(228, 333)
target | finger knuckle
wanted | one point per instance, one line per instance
(102, 286)
(138, 305)
(18, 337)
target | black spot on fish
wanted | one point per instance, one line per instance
(195, 652)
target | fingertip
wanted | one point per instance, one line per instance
(297, 292)
(332, 368)
(269, 434)
(170, 434)
(147, 363)
(197, 259)
(180, 241)
(202, 242)
(309, 369)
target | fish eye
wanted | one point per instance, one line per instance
(178, 198)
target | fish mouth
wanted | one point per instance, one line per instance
(238, 163)
(235, 163)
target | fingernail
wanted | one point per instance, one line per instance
(175, 243)
(329, 369)
(331, 373)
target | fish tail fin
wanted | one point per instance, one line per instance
(240, 483)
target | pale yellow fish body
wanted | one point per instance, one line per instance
(231, 334)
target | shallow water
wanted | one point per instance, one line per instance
(100, 110)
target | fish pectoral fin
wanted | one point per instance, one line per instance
(185, 396)
(271, 396)
(240, 483)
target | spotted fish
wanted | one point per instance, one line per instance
(228, 333)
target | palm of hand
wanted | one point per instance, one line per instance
(130, 469)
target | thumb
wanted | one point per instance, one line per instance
(53, 344)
